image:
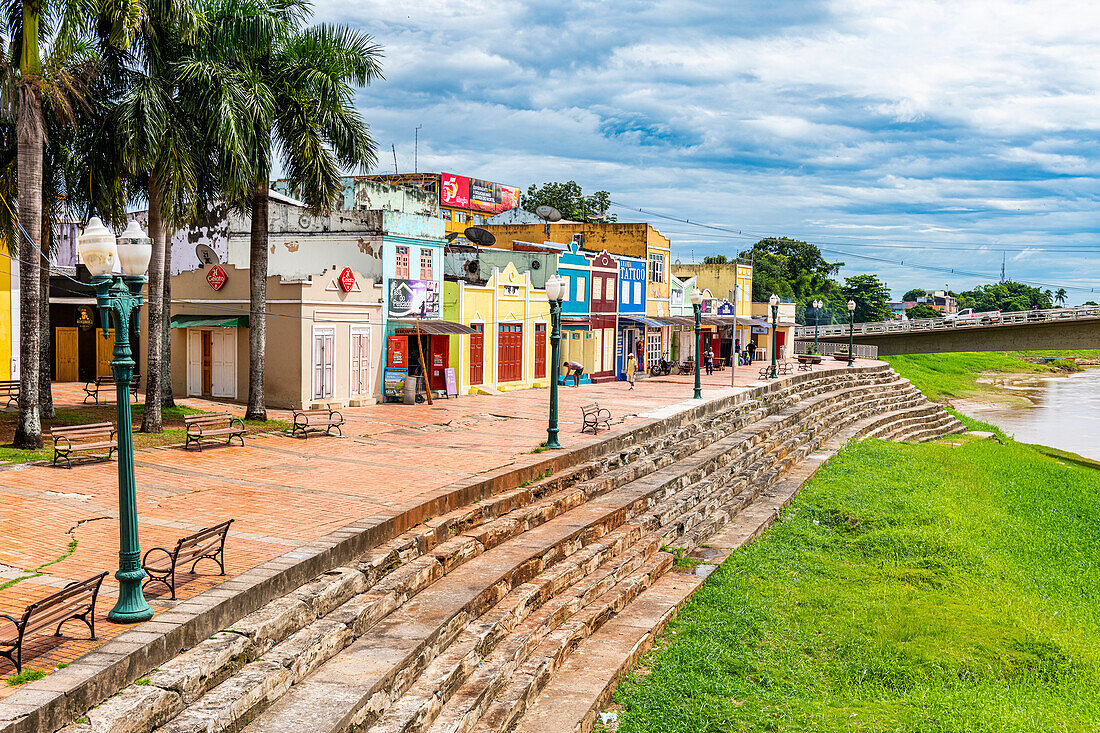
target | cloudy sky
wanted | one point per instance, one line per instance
(905, 138)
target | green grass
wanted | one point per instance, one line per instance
(949, 376)
(909, 588)
(27, 675)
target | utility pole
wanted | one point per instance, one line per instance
(1003, 258)
(416, 149)
(394, 149)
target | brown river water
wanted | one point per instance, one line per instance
(1064, 412)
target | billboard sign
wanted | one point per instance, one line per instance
(454, 190)
(492, 198)
(412, 298)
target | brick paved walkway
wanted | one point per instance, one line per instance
(283, 492)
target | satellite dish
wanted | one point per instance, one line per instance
(206, 255)
(480, 237)
(678, 261)
(452, 236)
(548, 213)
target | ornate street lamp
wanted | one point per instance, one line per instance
(817, 320)
(697, 304)
(555, 291)
(774, 303)
(851, 331)
(120, 296)
(735, 355)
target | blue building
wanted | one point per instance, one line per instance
(632, 307)
(575, 269)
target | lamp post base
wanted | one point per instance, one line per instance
(131, 606)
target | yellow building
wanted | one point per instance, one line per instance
(510, 346)
(9, 318)
(720, 281)
(784, 330)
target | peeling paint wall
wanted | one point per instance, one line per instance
(362, 194)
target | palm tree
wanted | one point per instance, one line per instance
(1060, 297)
(294, 91)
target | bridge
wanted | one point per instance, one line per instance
(1053, 329)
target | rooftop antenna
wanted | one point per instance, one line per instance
(416, 148)
(394, 149)
(1003, 258)
(548, 214)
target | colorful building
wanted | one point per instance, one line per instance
(9, 317)
(575, 270)
(508, 344)
(604, 306)
(633, 280)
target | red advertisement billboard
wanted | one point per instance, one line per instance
(473, 193)
(454, 190)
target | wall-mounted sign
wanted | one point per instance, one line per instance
(85, 318)
(492, 198)
(454, 190)
(216, 278)
(412, 298)
(347, 280)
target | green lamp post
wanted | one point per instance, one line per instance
(734, 351)
(774, 303)
(697, 304)
(119, 300)
(555, 291)
(851, 331)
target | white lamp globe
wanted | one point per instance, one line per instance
(851, 305)
(774, 300)
(696, 296)
(134, 250)
(97, 248)
(554, 288)
(818, 304)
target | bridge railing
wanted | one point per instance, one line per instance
(828, 348)
(941, 324)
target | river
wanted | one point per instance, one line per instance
(1065, 412)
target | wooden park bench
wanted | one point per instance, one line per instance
(9, 388)
(75, 600)
(594, 416)
(806, 362)
(107, 384)
(766, 371)
(206, 544)
(317, 421)
(211, 426)
(83, 439)
(687, 366)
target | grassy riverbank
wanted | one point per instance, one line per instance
(944, 377)
(909, 588)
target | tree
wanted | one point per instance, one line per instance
(791, 269)
(921, 310)
(570, 200)
(291, 89)
(870, 295)
(1091, 302)
(716, 260)
(912, 295)
(1060, 297)
(1004, 296)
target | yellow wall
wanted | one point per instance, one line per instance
(5, 318)
(720, 279)
(493, 303)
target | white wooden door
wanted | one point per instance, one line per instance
(322, 363)
(597, 352)
(194, 361)
(360, 361)
(224, 383)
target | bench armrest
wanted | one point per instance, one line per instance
(335, 416)
(57, 438)
(197, 430)
(13, 620)
(303, 421)
(238, 421)
(145, 557)
(114, 435)
(604, 411)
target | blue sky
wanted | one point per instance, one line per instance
(942, 135)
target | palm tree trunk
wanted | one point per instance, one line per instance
(151, 419)
(167, 399)
(257, 323)
(29, 140)
(45, 362)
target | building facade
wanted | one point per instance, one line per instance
(575, 270)
(633, 279)
(604, 306)
(463, 201)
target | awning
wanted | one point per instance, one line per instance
(645, 320)
(197, 321)
(679, 321)
(434, 328)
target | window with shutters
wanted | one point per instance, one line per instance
(637, 292)
(656, 267)
(401, 263)
(609, 293)
(597, 289)
(626, 292)
(426, 264)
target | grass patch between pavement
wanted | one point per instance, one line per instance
(922, 587)
(949, 376)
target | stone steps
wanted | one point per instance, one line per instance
(350, 647)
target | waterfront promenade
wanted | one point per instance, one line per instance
(284, 492)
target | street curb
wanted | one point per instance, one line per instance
(52, 702)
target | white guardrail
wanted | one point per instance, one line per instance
(944, 324)
(827, 348)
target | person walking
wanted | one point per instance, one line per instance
(631, 369)
(572, 367)
(708, 355)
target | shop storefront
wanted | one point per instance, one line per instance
(507, 344)
(575, 270)
(77, 350)
(632, 321)
(604, 303)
